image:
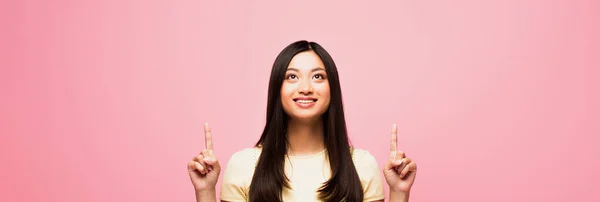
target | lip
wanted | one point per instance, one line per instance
(305, 98)
(305, 105)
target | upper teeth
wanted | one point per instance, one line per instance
(305, 101)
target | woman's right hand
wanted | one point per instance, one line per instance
(204, 168)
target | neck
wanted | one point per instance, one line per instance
(305, 138)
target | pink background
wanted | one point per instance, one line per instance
(105, 100)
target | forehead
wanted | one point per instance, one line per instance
(306, 60)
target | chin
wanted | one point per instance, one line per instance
(306, 116)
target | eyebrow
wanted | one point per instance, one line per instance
(313, 70)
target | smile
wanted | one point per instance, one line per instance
(305, 102)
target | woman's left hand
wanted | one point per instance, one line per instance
(400, 171)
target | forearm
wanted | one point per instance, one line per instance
(396, 196)
(206, 196)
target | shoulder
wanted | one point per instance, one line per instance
(362, 157)
(369, 174)
(240, 167)
(365, 163)
(238, 174)
(244, 157)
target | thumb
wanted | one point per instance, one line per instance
(411, 176)
(213, 162)
(393, 164)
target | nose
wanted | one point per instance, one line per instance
(305, 89)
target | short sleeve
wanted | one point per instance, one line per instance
(237, 176)
(370, 175)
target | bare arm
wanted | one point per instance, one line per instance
(400, 171)
(206, 196)
(398, 196)
(204, 170)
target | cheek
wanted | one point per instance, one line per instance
(286, 91)
(325, 93)
(286, 94)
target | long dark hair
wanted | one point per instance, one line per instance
(269, 177)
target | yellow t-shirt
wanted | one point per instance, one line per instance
(306, 174)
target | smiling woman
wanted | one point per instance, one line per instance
(305, 90)
(304, 153)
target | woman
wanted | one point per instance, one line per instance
(303, 153)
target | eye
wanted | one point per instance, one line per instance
(319, 76)
(291, 76)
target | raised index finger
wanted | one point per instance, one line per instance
(393, 141)
(208, 138)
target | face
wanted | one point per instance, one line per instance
(305, 89)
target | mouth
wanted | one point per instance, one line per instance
(305, 100)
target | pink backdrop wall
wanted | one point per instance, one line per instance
(105, 100)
